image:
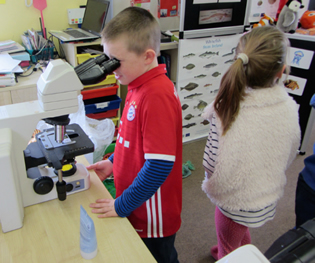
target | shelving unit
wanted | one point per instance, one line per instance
(71, 50)
(101, 100)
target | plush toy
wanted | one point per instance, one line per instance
(288, 18)
(265, 21)
(281, 5)
(307, 20)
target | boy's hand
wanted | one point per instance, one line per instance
(104, 207)
(103, 169)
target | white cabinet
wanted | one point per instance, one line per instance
(5, 98)
(24, 90)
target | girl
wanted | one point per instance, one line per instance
(254, 136)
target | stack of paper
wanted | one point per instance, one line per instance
(10, 46)
(7, 79)
(8, 66)
(33, 41)
(23, 56)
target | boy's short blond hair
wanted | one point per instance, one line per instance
(139, 26)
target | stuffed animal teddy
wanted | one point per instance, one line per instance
(265, 21)
(308, 19)
(288, 18)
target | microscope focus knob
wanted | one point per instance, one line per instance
(43, 185)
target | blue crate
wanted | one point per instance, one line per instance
(102, 104)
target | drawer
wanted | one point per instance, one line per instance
(110, 79)
(23, 95)
(103, 115)
(83, 57)
(102, 104)
(99, 92)
(5, 98)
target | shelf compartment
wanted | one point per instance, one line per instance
(83, 57)
(99, 92)
(103, 115)
(110, 79)
(102, 104)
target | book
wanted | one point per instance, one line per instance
(10, 46)
(7, 79)
(23, 56)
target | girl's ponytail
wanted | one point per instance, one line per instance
(261, 56)
(231, 92)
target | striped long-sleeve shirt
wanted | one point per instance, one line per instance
(149, 179)
(247, 218)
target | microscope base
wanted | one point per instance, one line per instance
(77, 182)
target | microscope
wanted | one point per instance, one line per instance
(39, 171)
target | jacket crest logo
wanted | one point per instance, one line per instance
(131, 113)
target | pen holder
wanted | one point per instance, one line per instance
(43, 54)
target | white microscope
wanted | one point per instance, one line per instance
(32, 173)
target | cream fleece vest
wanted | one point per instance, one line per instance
(255, 152)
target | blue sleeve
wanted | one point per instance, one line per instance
(111, 158)
(149, 179)
(312, 102)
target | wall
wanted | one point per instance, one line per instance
(15, 17)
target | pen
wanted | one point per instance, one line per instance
(28, 68)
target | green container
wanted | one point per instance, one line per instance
(43, 54)
(110, 148)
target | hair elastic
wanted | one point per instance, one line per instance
(243, 57)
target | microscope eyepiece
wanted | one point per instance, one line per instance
(110, 65)
(94, 70)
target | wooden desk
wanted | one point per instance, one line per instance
(51, 232)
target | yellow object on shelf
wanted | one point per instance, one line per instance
(110, 79)
(83, 57)
(115, 120)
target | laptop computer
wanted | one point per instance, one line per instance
(92, 23)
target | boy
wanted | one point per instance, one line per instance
(148, 155)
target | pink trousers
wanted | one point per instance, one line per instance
(230, 235)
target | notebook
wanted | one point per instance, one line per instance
(92, 23)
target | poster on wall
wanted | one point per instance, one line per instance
(168, 8)
(300, 58)
(203, 62)
(294, 85)
(215, 16)
(141, 3)
(150, 5)
(259, 8)
(146, 4)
